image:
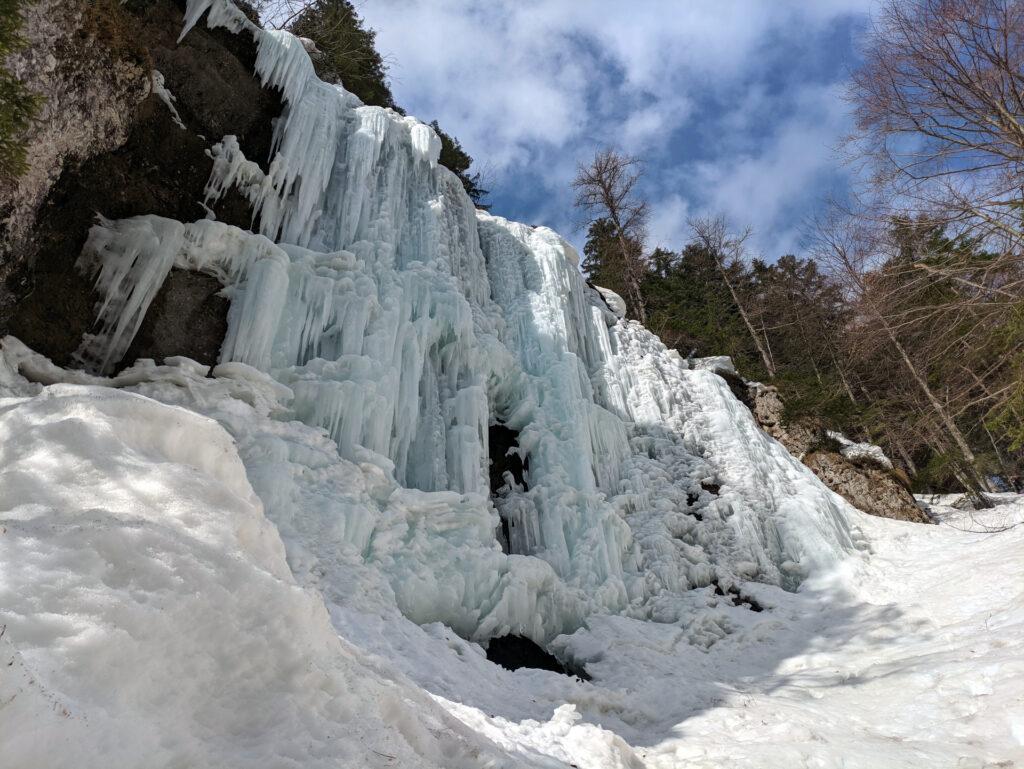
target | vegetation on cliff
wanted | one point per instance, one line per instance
(17, 103)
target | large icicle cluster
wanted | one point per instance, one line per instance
(397, 323)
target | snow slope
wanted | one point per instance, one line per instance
(293, 559)
(150, 616)
(142, 593)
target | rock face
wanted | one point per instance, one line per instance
(768, 409)
(865, 484)
(90, 95)
(107, 144)
(868, 487)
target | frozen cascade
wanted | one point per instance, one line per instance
(379, 324)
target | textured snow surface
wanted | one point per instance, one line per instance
(854, 451)
(150, 619)
(293, 559)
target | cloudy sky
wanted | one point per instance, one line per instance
(735, 106)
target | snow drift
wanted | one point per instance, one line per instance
(153, 613)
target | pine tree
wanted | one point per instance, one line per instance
(17, 103)
(458, 161)
(348, 50)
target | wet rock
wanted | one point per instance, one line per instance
(188, 317)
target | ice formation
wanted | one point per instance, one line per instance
(854, 451)
(160, 89)
(403, 323)
(287, 559)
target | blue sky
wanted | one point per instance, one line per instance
(735, 106)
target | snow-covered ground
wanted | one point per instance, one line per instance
(911, 657)
(294, 559)
(150, 618)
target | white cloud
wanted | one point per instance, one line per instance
(647, 125)
(667, 227)
(539, 84)
(759, 189)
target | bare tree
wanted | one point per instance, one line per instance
(712, 234)
(279, 14)
(939, 106)
(606, 189)
(857, 254)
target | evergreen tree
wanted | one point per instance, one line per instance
(458, 161)
(691, 307)
(348, 50)
(17, 103)
(602, 259)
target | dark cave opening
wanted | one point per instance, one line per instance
(709, 486)
(737, 597)
(501, 439)
(503, 445)
(514, 651)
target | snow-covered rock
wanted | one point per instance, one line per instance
(860, 451)
(859, 472)
(615, 302)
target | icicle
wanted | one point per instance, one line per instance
(130, 258)
(222, 14)
(160, 89)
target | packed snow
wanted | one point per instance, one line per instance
(296, 558)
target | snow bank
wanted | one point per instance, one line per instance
(154, 618)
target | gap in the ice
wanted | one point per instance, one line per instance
(737, 596)
(508, 466)
(513, 652)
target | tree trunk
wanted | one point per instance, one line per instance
(947, 421)
(631, 278)
(944, 418)
(904, 455)
(769, 367)
(845, 381)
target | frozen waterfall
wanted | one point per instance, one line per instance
(379, 325)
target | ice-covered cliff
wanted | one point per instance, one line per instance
(407, 325)
(384, 339)
(426, 431)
